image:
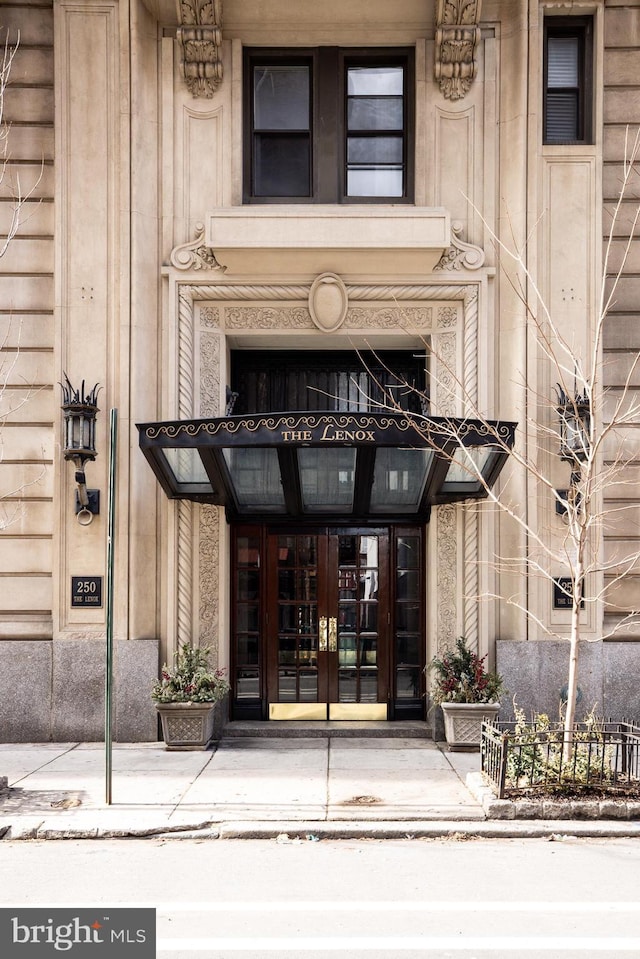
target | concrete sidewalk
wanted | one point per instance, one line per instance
(257, 787)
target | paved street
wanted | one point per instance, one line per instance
(362, 899)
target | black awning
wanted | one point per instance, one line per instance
(352, 465)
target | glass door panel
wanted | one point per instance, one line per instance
(358, 575)
(408, 615)
(295, 611)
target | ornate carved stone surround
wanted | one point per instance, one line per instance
(444, 312)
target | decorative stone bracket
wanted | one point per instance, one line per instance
(195, 255)
(457, 39)
(460, 254)
(200, 38)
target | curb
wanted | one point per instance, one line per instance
(314, 831)
(510, 829)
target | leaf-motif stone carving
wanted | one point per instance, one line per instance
(200, 39)
(457, 39)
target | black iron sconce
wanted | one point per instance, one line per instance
(79, 443)
(574, 414)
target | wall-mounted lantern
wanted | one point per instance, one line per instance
(79, 443)
(575, 426)
(574, 413)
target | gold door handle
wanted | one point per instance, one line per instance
(322, 647)
(333, 634)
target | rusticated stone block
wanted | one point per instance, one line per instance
(556, 810)
(536, 674)
(25, 691)
(78, 691)
(613, 809)
(584, 809)
(633, 810)
(500, 809)
(136, 664)
(528, 809)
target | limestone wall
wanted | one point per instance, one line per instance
(28, 404)
(65, 297)
(622, 335)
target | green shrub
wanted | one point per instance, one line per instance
(191, 680)
(460, 677)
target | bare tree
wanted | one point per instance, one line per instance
(591, 422)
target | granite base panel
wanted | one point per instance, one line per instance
(54, 691)
(536, 674)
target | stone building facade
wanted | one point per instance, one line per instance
(171, 248)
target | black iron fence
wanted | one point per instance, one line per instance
(524, 759)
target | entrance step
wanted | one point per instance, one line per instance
(404, 729)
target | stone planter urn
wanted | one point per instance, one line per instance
(189, 697)
(187, 725)
(463, 723)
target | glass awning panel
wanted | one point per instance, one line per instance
(255, 473)
(399, 479)
(470, 470)
(327, 479)
(359, 465)
(186, 470)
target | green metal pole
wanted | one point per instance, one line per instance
(108, 732)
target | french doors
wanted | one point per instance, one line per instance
(328, 623)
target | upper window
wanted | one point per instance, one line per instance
(327, 126)
(567, 80)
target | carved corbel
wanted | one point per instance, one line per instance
(200, 37)
(457, 39)
(460, 254)
(195, 255)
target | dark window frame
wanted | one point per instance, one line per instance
(580, 28)
(328, 161)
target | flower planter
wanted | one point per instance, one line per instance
(187, 725)
(463, 723)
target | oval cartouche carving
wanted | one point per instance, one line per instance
(328, 302)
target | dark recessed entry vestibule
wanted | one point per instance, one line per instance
(327, 509)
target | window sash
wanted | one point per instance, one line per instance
(361, 153)
(567, 80)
